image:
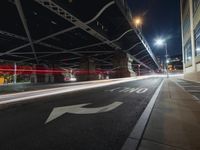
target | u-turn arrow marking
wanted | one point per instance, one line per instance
(80, 109)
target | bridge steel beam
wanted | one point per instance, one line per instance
(59, 32)
(24, 22)
(49, 4)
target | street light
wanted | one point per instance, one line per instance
(137, 22)
(162, 42)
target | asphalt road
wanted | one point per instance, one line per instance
(103, 122)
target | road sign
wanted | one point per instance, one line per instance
(80, 109)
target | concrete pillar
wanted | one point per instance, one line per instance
(51, 78)
(122, 63)
(41, 76)
(34, 75)
(194, 68)
(87, 70)
(46, 76)
(57, 77)
(182, 36)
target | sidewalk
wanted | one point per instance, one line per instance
(174, 123)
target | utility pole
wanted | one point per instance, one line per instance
(15, 73)
(166, 55)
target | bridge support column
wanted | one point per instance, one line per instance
(87, 70)
(38, 76)
(51, 78)
(57, 77)
(122, 63)
(34, 75)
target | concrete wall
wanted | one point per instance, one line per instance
(192, 76)
(191, 68)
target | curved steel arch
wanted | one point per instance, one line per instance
(100, 12)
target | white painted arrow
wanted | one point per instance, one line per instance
(79, 109)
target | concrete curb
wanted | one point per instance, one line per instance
(135, 137)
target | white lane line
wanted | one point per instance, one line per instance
(186, 80)
(196, 97)
(112, 81)
(191, 86)
(189, 91)
(186, 84)
(193, 91)
(56, 91)
(137, 132)
(48, 90)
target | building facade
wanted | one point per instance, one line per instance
(190, 25)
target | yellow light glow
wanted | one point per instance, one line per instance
(137, 21)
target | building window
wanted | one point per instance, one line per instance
(188, 51)
(186, 23)
(184, 3)
(195, 5)
(197, 39)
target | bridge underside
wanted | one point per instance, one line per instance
(62, 33)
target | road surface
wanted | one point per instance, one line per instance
(191, 87)
(92, 119)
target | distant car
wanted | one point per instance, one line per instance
(67, 79)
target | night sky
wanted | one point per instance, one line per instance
(161, 18)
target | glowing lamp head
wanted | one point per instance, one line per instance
(137, 21)
(160, 42)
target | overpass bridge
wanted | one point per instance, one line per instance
(75, 35)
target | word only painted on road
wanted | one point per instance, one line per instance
(128, 90)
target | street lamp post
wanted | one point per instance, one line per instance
(166, 55)
(138, 69)
(15, 74)
(138, 23)
(161, 42)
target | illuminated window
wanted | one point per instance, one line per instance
(197, 39)
(186, 23)
(195, 5)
